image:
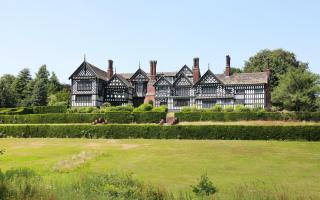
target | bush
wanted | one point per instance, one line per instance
(186, 109)
(160, 109)
(148, 117)
(49, 109)
(216, 108)
(242, 108)
(144, 107)
(152, 131)
(238, 116)
(16, 111)
(128, 108)
(205, 187)
(228, 109)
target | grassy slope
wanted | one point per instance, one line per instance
(176, 164)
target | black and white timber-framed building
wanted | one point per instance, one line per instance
(92, 86)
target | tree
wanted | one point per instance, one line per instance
(7, 94)
(43, 74)
(205, 187)
(40, 87)
(20, 84)
(27, 101)
(234, 70)
(54, 85)
(39, 93)
(297, 90)
(278, 61)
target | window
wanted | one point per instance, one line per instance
(83, 98)
(208, 103)
(240, 91)
(162, 87)
(181, 102)
(184, 91)
(84, 85)
(239, 101)
(228, 91)
(209, 90)
(258, 91)
(139, 88)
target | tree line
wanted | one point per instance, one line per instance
(24, 90)
(293, 86)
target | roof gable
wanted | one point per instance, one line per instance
(182, 80)
(86, 69)
(118, 80)
(162, 81)
(185, 70)
(139, 75)
(208, 78)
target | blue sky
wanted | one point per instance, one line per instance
(59, 33)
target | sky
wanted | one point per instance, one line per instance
(59, 33)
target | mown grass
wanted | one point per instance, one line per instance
(239, 169)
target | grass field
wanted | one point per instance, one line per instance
(291, 167)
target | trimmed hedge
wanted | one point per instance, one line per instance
(111, 117)
(15, 111)
(238, 116)
(149, 131)
(49, 109)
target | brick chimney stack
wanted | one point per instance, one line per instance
(196, 70)
(110, 69)
(154, 70)
(228, 66)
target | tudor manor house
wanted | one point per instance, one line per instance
(92, 86)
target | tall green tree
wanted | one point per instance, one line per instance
(54, 85)
(234, 70)
(40, 87)
(278, 61)
(21, 83)
(40, 93)
(297, 90)
(7, 94)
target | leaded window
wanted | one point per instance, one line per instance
(258, 91)
(84, 98)
(182, 91)
(209, 90)
(181, 102)
(208, 103)
(84, 85)
(240, 91)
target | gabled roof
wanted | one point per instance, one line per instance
(162, 78)
(159, 74)
(182, 75)
(244, 78)
(208, 73)
(139, 71)
(122, 79)
(86, 65)
(184, 67)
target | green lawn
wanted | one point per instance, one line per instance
(176, 164)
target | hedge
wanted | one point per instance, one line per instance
(15, 111)
(111, 117)
(49, 109)
(152, 131)
(238, 116)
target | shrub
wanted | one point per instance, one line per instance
(228, 109)
(186, 109)
(238, 116)
(205, 187)
(16, 111)
(216, 108)
(144, 107)
(242, 108)
(153, 131)
(128, 108)
(49, 109)
(160, 109)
